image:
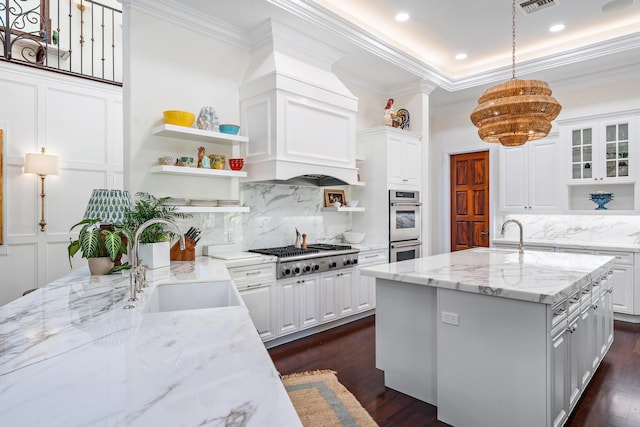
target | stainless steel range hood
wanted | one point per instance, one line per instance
(299, 117)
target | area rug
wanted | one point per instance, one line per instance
(321, 401)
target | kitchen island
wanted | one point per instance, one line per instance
(70, 355)
(493, 337)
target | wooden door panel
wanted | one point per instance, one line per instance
(469, 200)
(479, 199)
(462, 233)
(479, 236)
(478, 171)
(461, 172)
(461, 203)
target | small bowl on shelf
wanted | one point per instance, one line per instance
(167, 161)
(236, 164)
(187, 161)
(230, 129)
(353, 236)
(352, 203)
(178, 117)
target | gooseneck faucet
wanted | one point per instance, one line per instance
(519, 224)
(138, 273)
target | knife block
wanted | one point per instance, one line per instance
(188, 254)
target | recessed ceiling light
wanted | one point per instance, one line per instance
(461, 56)
(402, 17)
(556, 28)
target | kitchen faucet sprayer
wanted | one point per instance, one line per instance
(519, 224)
(138, 273)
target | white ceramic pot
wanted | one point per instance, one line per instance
(154, 255)
(100, 265)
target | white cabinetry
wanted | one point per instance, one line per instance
(256, 284)
(297, 302)
(392, 160)
(580, 338)
(401, 164)
(366, 285)
(601, 150)
(601, 156)
(623, 278)
(336, 294)
(404, 161)
(528, 177)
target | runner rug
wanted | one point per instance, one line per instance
(321, 401)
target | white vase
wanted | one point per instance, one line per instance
(100, 265)
(154, 255)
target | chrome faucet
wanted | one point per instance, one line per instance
(138, 273)
(520, 245)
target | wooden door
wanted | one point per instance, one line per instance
(469, 200)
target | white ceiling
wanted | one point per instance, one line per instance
(385, 53)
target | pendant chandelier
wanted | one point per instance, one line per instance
(516, 111)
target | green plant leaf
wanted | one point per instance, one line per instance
(89, 241)
(112, 243)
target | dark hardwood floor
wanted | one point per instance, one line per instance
(611, 400)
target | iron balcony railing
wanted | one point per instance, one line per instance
(78, 37)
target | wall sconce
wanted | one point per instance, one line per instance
(42, 164)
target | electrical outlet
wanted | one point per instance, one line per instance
(450, 318)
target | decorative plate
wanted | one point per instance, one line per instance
(404, 118)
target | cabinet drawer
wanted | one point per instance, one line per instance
(625, 258)
(252, 273)
(370, 258)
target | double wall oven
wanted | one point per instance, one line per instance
(404, 225)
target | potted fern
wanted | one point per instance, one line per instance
(155, 240)
(101, 246)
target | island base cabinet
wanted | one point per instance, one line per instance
(406, 331)
(492, 364)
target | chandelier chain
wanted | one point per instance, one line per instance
(513, 40)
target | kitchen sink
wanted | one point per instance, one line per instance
(191, 296)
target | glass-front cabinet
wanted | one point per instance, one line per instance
(617, 150)
(582, 153)
(600, 151)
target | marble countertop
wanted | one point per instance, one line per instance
(533, 276)
(70, 355)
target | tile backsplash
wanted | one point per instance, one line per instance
(275, 213)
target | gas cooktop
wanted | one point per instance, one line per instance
(315, 258)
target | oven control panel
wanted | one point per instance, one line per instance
(315, 265)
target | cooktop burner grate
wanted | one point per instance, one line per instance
(329, 247)
(286, 251)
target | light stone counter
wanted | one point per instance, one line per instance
(71, 356)
(533, 276)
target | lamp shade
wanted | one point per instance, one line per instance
(109, 206)
(42, 164)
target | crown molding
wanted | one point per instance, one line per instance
(191, 19)
(334, 23)
(308, 10)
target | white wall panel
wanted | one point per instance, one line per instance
(80, 121)
(21, 115)
(23, 198)
(86, 115)
(19, 271)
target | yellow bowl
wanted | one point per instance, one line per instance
(177, 117)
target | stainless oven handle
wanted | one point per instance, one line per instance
(405, 204)
(405, 244)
